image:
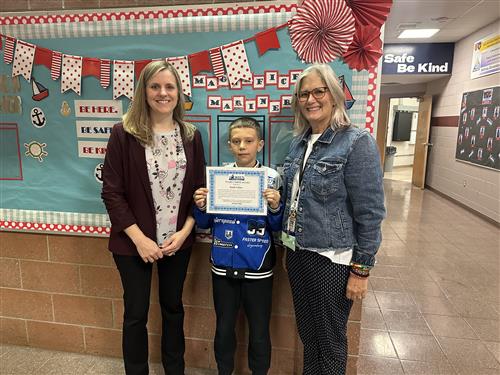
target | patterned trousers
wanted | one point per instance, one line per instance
(321, 310)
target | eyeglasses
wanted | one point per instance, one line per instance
(317, 93)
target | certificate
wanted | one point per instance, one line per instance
(236, 191)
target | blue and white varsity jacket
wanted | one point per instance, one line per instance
(242, 245)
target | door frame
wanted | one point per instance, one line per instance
(418, 179)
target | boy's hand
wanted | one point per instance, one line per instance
(273, 198)
(200, 197)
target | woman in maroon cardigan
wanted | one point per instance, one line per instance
(154, 163)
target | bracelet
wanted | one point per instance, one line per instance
(360, 266)
(360, 272)
(359, 276)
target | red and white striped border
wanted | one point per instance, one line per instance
(56, 228)
(139, 15)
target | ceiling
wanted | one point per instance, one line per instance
(457, 19)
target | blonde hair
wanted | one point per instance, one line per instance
(245, 122)
(339, 119)
(137, 120)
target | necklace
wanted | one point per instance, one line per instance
(172, 155)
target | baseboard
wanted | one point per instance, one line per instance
(458, 203)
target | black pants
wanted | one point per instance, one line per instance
(136, 281)
(321, 310)
(256, 298)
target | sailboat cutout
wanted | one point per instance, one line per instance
(349, 99)
(39, 91)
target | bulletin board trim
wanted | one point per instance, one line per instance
(146, 22)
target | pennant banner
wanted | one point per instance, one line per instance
(43, 56)
(91, 67)
(139, 66)
(55, 69)
(217, 64)
(71, 73)
(199, 62)
(182, 66)
(23, 60)
(105, 73)
(123, 79)
(267, 40)
(8, 55)
(236, 61)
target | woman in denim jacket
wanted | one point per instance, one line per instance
(331, 225)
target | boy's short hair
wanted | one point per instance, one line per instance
(245, 122)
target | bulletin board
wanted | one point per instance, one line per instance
(478, 139)
(57, 113)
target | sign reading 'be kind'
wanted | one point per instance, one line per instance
(424, 58)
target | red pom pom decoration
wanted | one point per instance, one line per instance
(366, 48)
(370, 12)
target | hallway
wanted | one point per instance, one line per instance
(433, 305)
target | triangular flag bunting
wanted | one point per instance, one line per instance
(199, 62)
(123, 79)
(55, 68)
(23, 60)
(267, 40)
(71, 73)
(236, 61)
(182, 66)
(8, 55)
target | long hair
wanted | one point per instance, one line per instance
(339, 119)
(137, 120)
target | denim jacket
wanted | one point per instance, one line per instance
(341, 203)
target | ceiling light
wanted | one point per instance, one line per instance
(417, 33)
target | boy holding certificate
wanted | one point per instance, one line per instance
(243, 257)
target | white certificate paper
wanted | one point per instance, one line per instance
(236, 191)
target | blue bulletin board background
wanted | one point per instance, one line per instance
(60, 191)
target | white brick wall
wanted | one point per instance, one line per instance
(474, 186)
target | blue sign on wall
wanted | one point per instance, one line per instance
(423, 58)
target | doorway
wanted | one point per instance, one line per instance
(402, 137)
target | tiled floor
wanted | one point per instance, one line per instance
(18, 360)
(433, 307)
(399, 174)
(434, 304)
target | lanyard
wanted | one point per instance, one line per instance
(295, 199)
(302, 166)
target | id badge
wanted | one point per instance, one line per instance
(288, 240)
(292, 216)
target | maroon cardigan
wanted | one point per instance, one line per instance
(127, 194)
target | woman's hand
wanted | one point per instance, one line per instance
(200, 197)
(148, 249)
(356, 287)
(172, 244)
(273, 198)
